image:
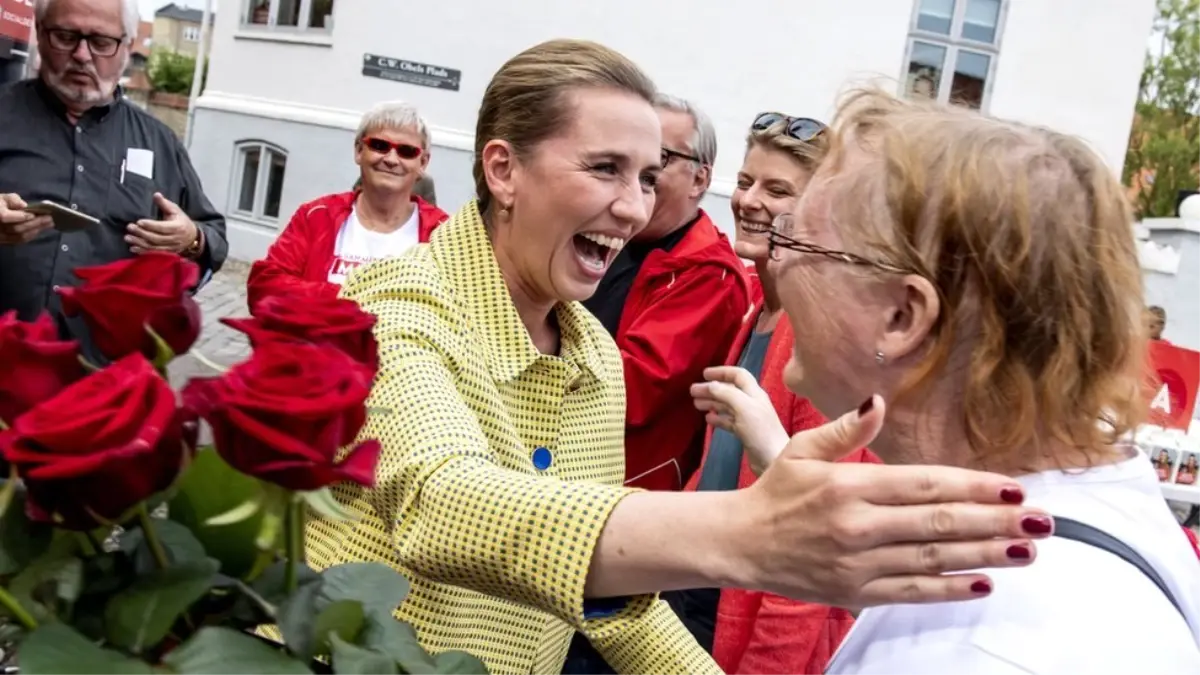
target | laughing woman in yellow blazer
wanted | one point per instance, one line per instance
(500, 406)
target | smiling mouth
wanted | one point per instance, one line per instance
(596, 250)
(753, 227)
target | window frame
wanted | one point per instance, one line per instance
(191, 33)
(953, 44)
(256, 214)
(304, 12)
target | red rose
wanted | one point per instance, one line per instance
(37, 365)
(99, 447)
(336, 322)
(283, 415)
(119, 300)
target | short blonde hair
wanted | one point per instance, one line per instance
(526, 101)
(1027, 236)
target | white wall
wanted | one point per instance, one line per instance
(1074, 65)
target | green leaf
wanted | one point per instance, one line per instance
(58, 648)
(297, 619)
(221, 651)
(142, 615)
(351, 659)
(261, 599)
(343, 619)
(49, 585)
(383, 633)
(377, 586)
(209, 489)
(323, 502)
(21, 540)
(459, 662)
(177, 540)
(237, 514)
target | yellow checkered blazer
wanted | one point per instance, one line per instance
(500, 466)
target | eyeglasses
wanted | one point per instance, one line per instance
(668, 153)
(404, 150)
(800, 128)
(780, 237)
(63, 40)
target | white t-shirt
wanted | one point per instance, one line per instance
(357, 246)
(1076, 609)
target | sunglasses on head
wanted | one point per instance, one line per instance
(404, 150)
(800, 128)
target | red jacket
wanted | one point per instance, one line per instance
(300, 258)
(683, 311)
(760, 632)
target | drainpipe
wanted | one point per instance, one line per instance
(198, 74)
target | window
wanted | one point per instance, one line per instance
(258, 180)
(191, 33)
(289, 15)
(952, 50)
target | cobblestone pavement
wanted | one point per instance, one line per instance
(224, 295)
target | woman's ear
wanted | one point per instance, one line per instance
(499, 168)
(913, 310)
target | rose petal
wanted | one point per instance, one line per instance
(359, 465)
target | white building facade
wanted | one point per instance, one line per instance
(288, 79)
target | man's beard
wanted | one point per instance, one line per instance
(91, 95)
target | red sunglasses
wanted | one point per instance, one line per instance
(404, 150)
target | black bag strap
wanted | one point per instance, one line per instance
(1086, 534)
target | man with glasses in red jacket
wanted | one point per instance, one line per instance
(674, 300)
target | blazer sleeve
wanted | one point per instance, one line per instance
(666, 348)
(282, 271)
(465, 520)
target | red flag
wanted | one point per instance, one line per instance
(1175, 381)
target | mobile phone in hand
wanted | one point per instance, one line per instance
(65, 219)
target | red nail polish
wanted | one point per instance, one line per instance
(1037, 524)
(866, 406)
(1019, 552)
(981, 587)
(1012, 496)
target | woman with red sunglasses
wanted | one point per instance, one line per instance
(380, 218)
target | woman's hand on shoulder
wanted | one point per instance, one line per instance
(854, 535)
(732, 400)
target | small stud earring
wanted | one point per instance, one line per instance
(879, 358)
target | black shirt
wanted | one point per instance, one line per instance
(608, 302)
(44, 157)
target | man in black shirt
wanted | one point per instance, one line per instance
(69, 137)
